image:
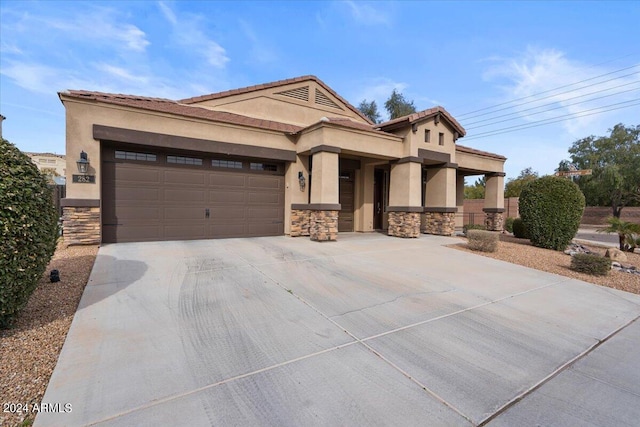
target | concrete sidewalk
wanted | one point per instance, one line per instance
(366, 330)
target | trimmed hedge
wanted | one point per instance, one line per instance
(508, 224)
(481, 240)
(468, 227)
(594, 265)
(551, 208)
(519, 229)
(28, 229)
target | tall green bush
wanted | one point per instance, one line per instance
(519, 229)
(28, 229)
(551, 208)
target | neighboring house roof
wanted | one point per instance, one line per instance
(470, 150)
(172, 107)
(62, 156)
(271, 85)
(420, 115)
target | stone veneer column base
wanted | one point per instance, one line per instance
(404, 224)
(324, 226)
(440, 223)
(494, 221)
(81, 225)
(300, 222)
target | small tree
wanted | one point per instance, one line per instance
(551, 208)
(397, 106)
(370, 109)
(475, 191)
(626, 231)
(515, 185)
(28, 229)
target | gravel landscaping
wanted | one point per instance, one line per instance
(29, 350)
(520, 251)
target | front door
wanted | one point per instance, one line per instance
(347, 199)
(378, 199)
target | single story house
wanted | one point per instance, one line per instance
(290, 157)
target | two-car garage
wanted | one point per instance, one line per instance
(150, 194)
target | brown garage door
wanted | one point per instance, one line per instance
(159, 196)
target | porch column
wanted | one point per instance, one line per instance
(494, 201)
(460, 201)
(296, 195)
(440, 200)
(325, 194)
(405, 197)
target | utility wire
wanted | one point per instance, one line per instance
(551, 96)
(563, 100)
(562, 118)
(549, 109)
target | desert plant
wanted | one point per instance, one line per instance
(468, 227)
(592, 264)
(482, 240)
(508, 224)
(626, 231)
(519, 229)
(551, 208)
(28, 229)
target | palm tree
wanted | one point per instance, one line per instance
(625, 230)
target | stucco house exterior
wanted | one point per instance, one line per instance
(51, 161)
(290, 157)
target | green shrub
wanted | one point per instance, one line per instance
(482, 240)
(468, 227)
(28, 229)
(508, 224)
(595, 265)
(519, 229)
(551, 208)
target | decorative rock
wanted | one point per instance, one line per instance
(615, 254)
(404, 224)
(324, 226)
(300, 222)
(494, 221)
(440, 223)
(81, 225)
(575, 248)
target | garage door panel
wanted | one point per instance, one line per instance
(273, 182)
(227, 196)
(183, 195)
(146, 202)
(228, 179)
(180, 178)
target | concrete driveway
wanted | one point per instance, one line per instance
(369, 330)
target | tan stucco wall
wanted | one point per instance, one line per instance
(478, 163)
(325, 182)
(494, 192)
(51, 162)
(351, 141)
(405, 186)
(81, 116)
(293, 194)
(441, 188)
(267, 104)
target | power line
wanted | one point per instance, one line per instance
(550, 90)
(555, 102)
(551, 96)
(551, 120)
(549, 109)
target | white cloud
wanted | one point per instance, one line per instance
(541, 71)
(187, 33)
(122, 73)
(259, 52)
(366, 14)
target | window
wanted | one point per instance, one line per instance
(427, 135)
(231, 164)
(441, 138)
(264, 167)
(181, 160)
(131, 155)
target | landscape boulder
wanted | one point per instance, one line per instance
(615, 254)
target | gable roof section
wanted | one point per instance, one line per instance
(420, 115)
(272, 85)
(346, 123)
(470, 150)
(163, 105)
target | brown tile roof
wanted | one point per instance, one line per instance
(411, 118)
(62, 156)
(278, 83)
(348, 123)
(172, 107)
(470, 150)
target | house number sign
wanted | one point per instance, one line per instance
(84, 179)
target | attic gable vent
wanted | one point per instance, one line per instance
(323, 99)
(301, 93)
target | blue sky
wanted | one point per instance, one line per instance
(465, 56)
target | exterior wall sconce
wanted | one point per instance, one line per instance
(436, 119)
(301, 180)
(83, 163)
(414, 127)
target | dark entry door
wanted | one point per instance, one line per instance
(345, 217)
(378, 199)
